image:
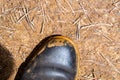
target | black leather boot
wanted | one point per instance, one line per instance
(55, 60)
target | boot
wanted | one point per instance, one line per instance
(55, 60)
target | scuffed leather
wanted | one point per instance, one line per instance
(54, 63)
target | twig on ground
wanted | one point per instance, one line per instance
(85, 12)
(78, 31)
(23, 16)
(27, 18)
(12, 18)
(7, 11)
(115, 4)
(19, 49)
(70, 6)
(7, 28)
(61, 8)
(93, 74)
(107, 37)
(96, 24)
(44, 12)
(50, 18)
(76, 20)
(42, 27)
(43, 22)
(110, 63)
(95, 62)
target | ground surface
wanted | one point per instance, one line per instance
(93, 24)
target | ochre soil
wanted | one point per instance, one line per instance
(94, 25)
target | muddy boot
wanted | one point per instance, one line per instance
(55, 60)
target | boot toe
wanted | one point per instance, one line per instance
(56, 61)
